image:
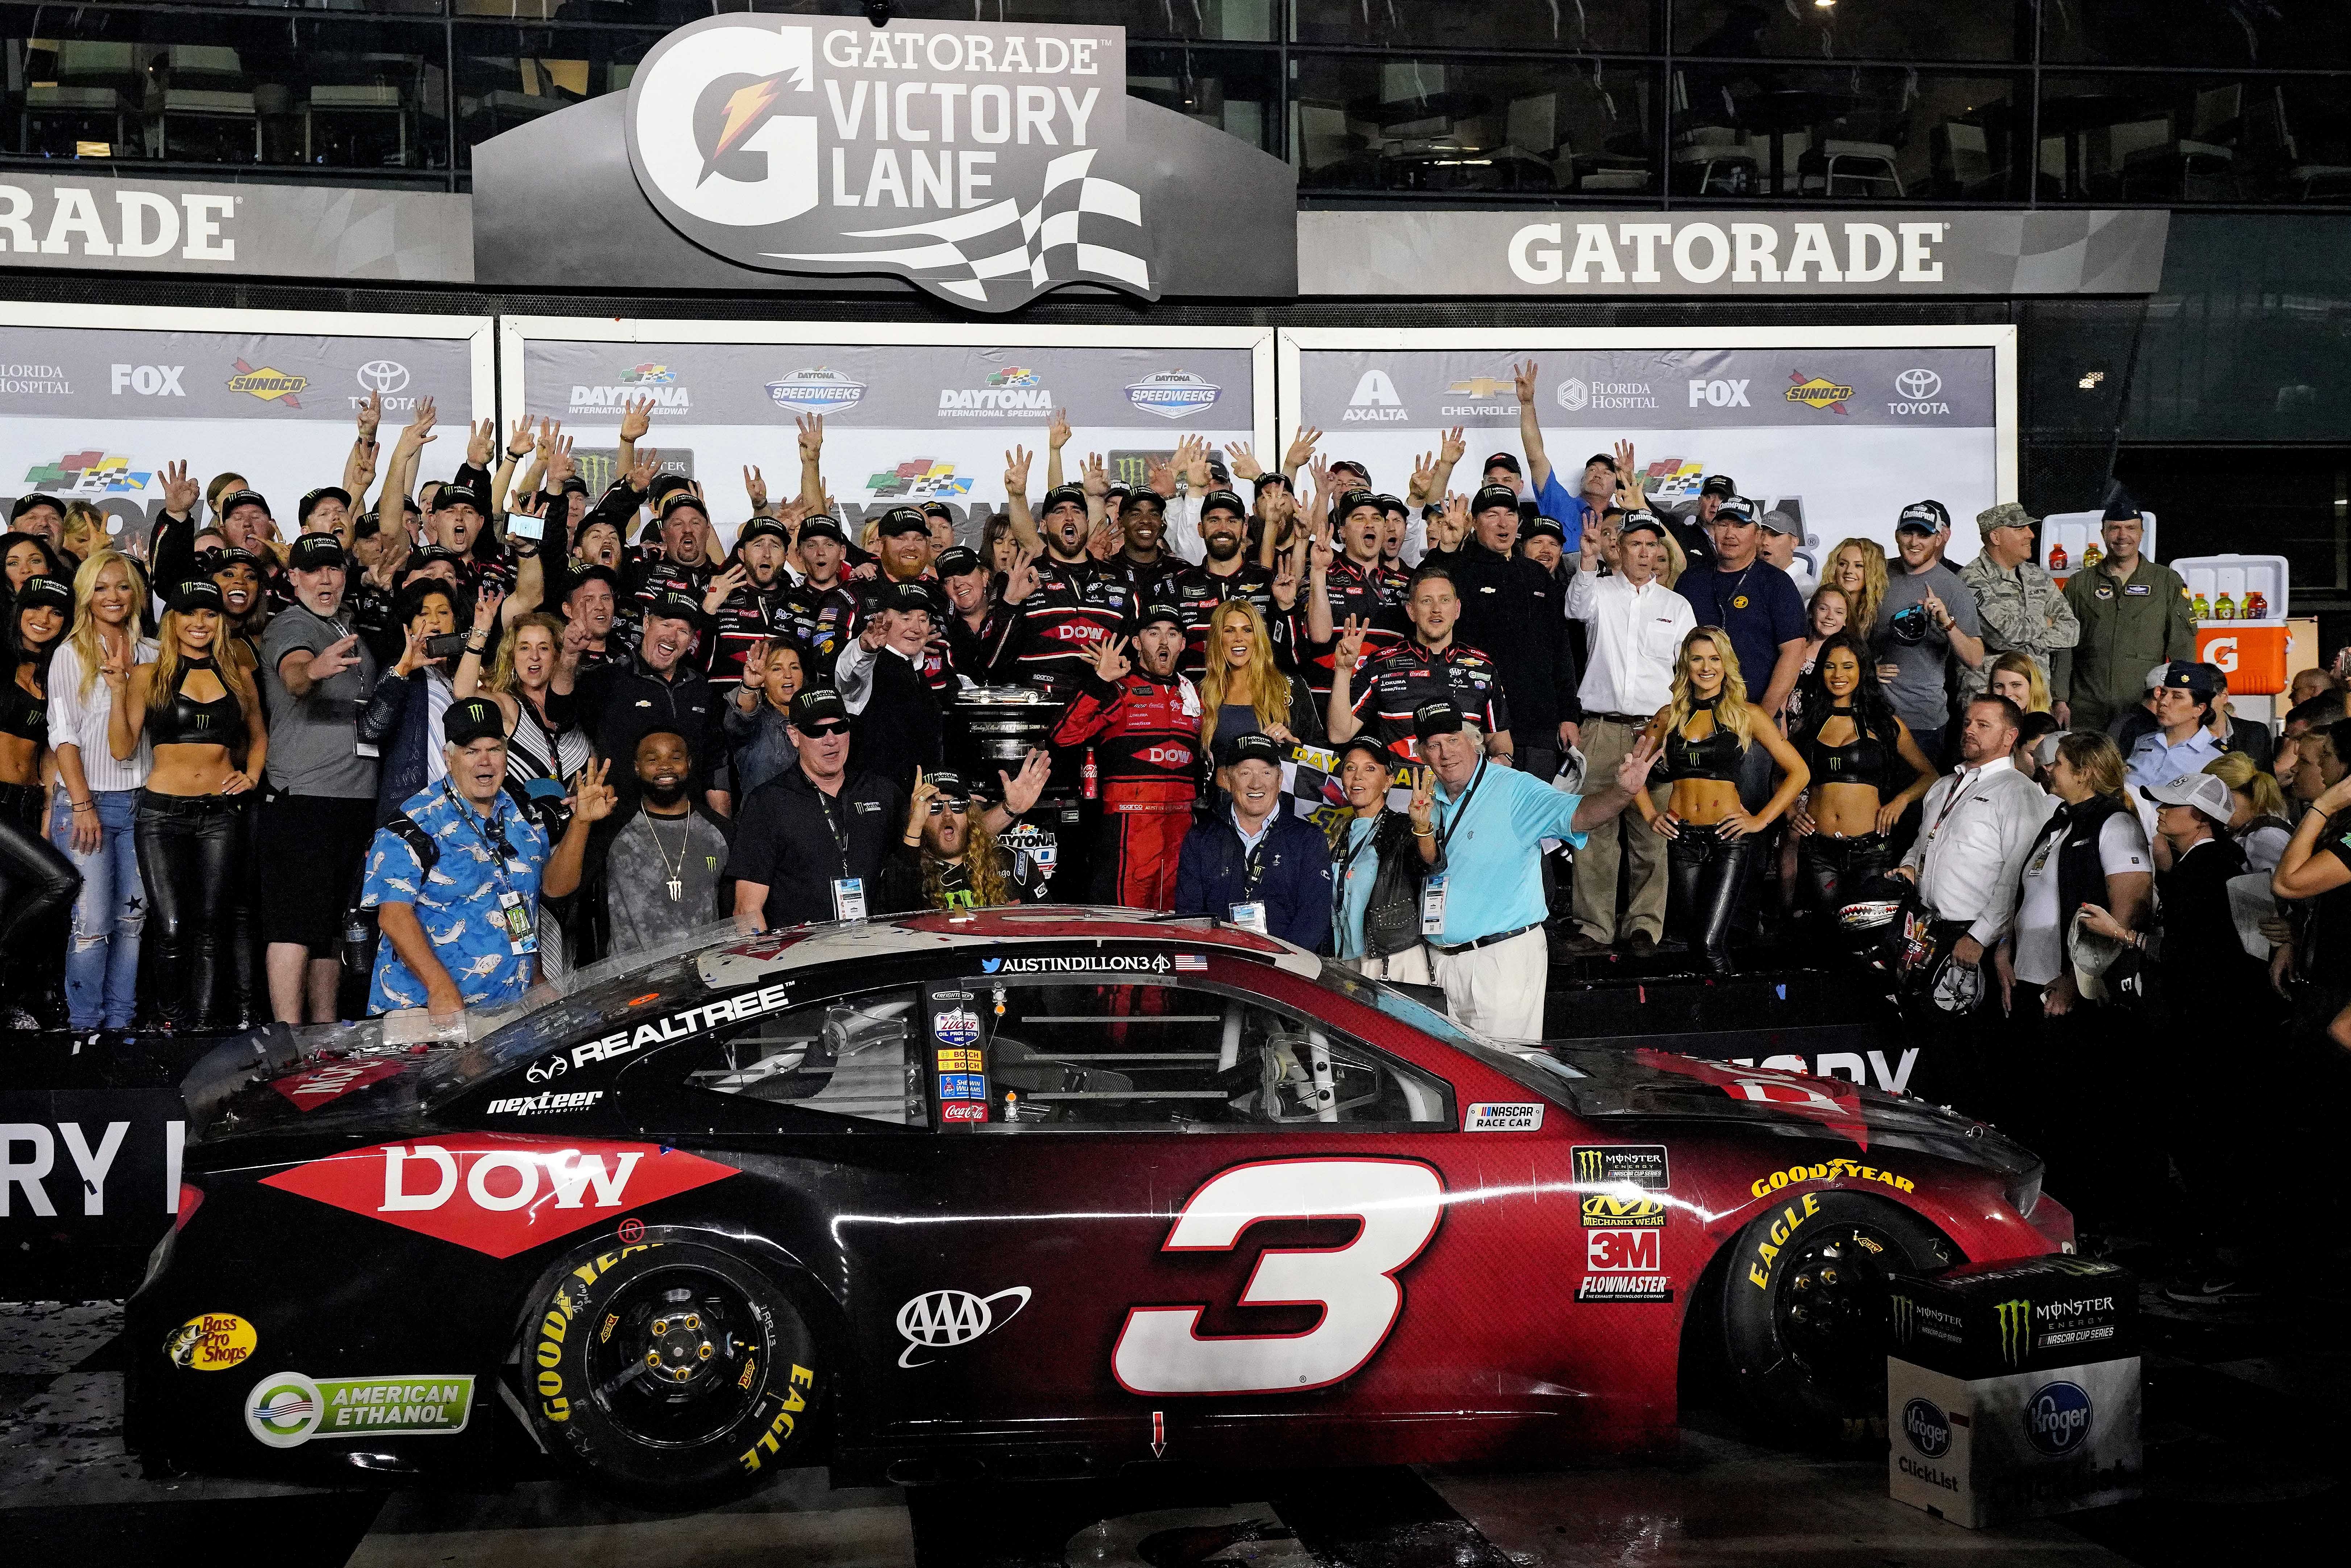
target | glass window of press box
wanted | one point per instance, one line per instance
(1613, 102)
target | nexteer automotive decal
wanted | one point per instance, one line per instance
(1398, 1202)
(499, 1193)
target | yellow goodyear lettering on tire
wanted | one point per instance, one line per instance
(786, 1419)
(552, 1404)
(1832, 1170)
(1759, 1273)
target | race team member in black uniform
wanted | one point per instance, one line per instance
(1143, 720)
(1511, 604)
(1144, 562)
(810, 844)
(683, 564)
(1058, 608)
(658, 688)
(1430, 666)
(1351, 589)
(820, 612)
(745, 604)
(1395, 578)
(1223, 574)
(905, 538)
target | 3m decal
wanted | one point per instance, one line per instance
(1398, 1202)
(1621, 1251)
(1775, 1236)
(289, 1410)
(938, 1320)
(313, 1087)
(1501, 1118)
(1637, 1165)
(211, 1341)
(1832, 1170)
(499, 1193)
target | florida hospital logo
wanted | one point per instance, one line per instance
(2015, 1322)
(963, 160)
(941, 1319)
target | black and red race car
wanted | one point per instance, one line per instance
(1042, 1192)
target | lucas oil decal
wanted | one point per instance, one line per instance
(957, 1026)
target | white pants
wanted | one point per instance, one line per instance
(1409, 967)
(1499, 991)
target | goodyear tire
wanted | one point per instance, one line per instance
(1803, 1312)
(671, 1371)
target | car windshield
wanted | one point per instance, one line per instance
(1524, 1064)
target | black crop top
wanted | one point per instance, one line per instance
(1861, 760)
(184, 721)
(22, 714)
(1714, 757)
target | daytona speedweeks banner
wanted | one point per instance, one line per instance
(1840, 433)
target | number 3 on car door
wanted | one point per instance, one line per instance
(1398, 1203)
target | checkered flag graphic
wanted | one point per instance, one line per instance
(1082, 227)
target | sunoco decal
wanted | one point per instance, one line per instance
(289, 1409)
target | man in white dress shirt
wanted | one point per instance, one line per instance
(1978, 826)
(1636, 626)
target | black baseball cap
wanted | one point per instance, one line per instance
(2120, 510)
(1362, 741)
(939, 509)
(1489, 497)
(430, 553)
(469, 720)
(678, 499)
(1543, 527)
(824, 526)
(1347, 465)
(1502, 460)
(1436, 718)
(1151, 498)
(1223, 500)
(906, 596)
(1158, 611)
(313, 551)
(1121, 494)
(958, 560)
(1059, 493)
(662, 484)
(1391, 503)
(673, 601)
(311, 499)
(761, 529)
(1718, 484)
(232, 501)
(575, 486)
(819, 710)
(450, 496)
(1256, 745)
(1359, 497)
(196, 593)
(26, 503)
(1736, 509)
(213, 562)
(1602, 459)
(367, 525)
(1926, 517)
(53, 591)
(1643, 521)
(949, 784)
(900, 521)
(594, 571)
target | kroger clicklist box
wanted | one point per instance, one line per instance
(2012, 1390)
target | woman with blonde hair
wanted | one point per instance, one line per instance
(520, 681)
(84, 533)
(2017, 677)
(1706, 730)
(1857, 566)
(1243, 691)
(2259, 824)
(197, 708)
(92, 813)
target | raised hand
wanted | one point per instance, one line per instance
(363, 466)
(811, 437)
(1524, 376)
(755, 486)
(636, 418)
(1320, 553)
(1022, 789)
(519, 444)
(1633, 773)
(1021, 580)
(918, 804)
(1104, 541)
(483, 434)
(645, 470)
(1160, 475)
(1057, 434)
(334, 658)
(1093, 476)
(1423, 478)
(875, 633)
(1285, 583)
(1015, 471)
(1302, 448)
(1191, 452)
(1349, 650)
(723, 585)
(1109, 660)
(179, 492)
(413, 657)
(420, 427)
(594, 799)
(1424, 802)
(115, 668)
(575, 642)
(1626, 473)
(559, 462)
(371, 415)
(1242, 461)
(485, 606)
(1451, 445)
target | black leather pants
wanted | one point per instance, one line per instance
(37, 884)
(1706, 872)
(190, 857)
(1834, 872)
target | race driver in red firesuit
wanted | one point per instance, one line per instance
(1143, 719)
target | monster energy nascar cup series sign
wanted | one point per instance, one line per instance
(981, 162)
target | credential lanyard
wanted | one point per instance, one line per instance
(1461, 807)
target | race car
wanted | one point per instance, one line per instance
(1041, 1192)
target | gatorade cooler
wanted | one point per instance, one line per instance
(2012, 1390)
(2239, 602)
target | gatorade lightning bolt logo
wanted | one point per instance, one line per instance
(2015, 1319)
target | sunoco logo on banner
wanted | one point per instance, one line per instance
(961, 156)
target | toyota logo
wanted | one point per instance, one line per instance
(384, 376)
(552, 1068)
(1917, 384)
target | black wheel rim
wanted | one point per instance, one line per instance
(1831, 1312)
(673, 1358)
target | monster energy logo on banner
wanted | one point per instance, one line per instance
(1637, 1165)
(2015, 1319)
(1906, 1319)
(1587, 1164)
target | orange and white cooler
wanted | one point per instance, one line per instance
(2239, 605)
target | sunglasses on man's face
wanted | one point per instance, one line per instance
(825, 727)
(959, 805)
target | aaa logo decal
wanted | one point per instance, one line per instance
(941, 1319)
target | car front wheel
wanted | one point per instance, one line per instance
(670, 1370)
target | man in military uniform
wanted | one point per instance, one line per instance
(2020, 606)
(2134, 616)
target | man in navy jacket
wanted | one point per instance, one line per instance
(1256, 864)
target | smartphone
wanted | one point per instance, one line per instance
(445, 647)
(523, 525)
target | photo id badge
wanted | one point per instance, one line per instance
(522, 936)
(849, 898)
(1432, 908)
(1250, 917)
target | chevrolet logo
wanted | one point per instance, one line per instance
(1485, 386)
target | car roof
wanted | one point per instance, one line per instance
(749, 961)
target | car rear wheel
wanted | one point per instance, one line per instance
(670, 1370)
(1803, 1312)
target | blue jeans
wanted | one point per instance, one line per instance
(102, 963)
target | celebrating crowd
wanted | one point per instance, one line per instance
(494, 727)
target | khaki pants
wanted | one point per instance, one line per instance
(1606, 743)
(1499, 991)
(1409, 967)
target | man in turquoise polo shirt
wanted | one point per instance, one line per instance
(1484, 917)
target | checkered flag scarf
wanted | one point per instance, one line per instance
(1082, 227)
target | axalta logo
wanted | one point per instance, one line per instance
(1374, 403)
(1819, 391)
(818, 390)
(91, 472)
(498, 1193)
(939, 1320)
(2057, 1418)
(1174, 395)
(147, 381)
(268, 383)
(1153, 964)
